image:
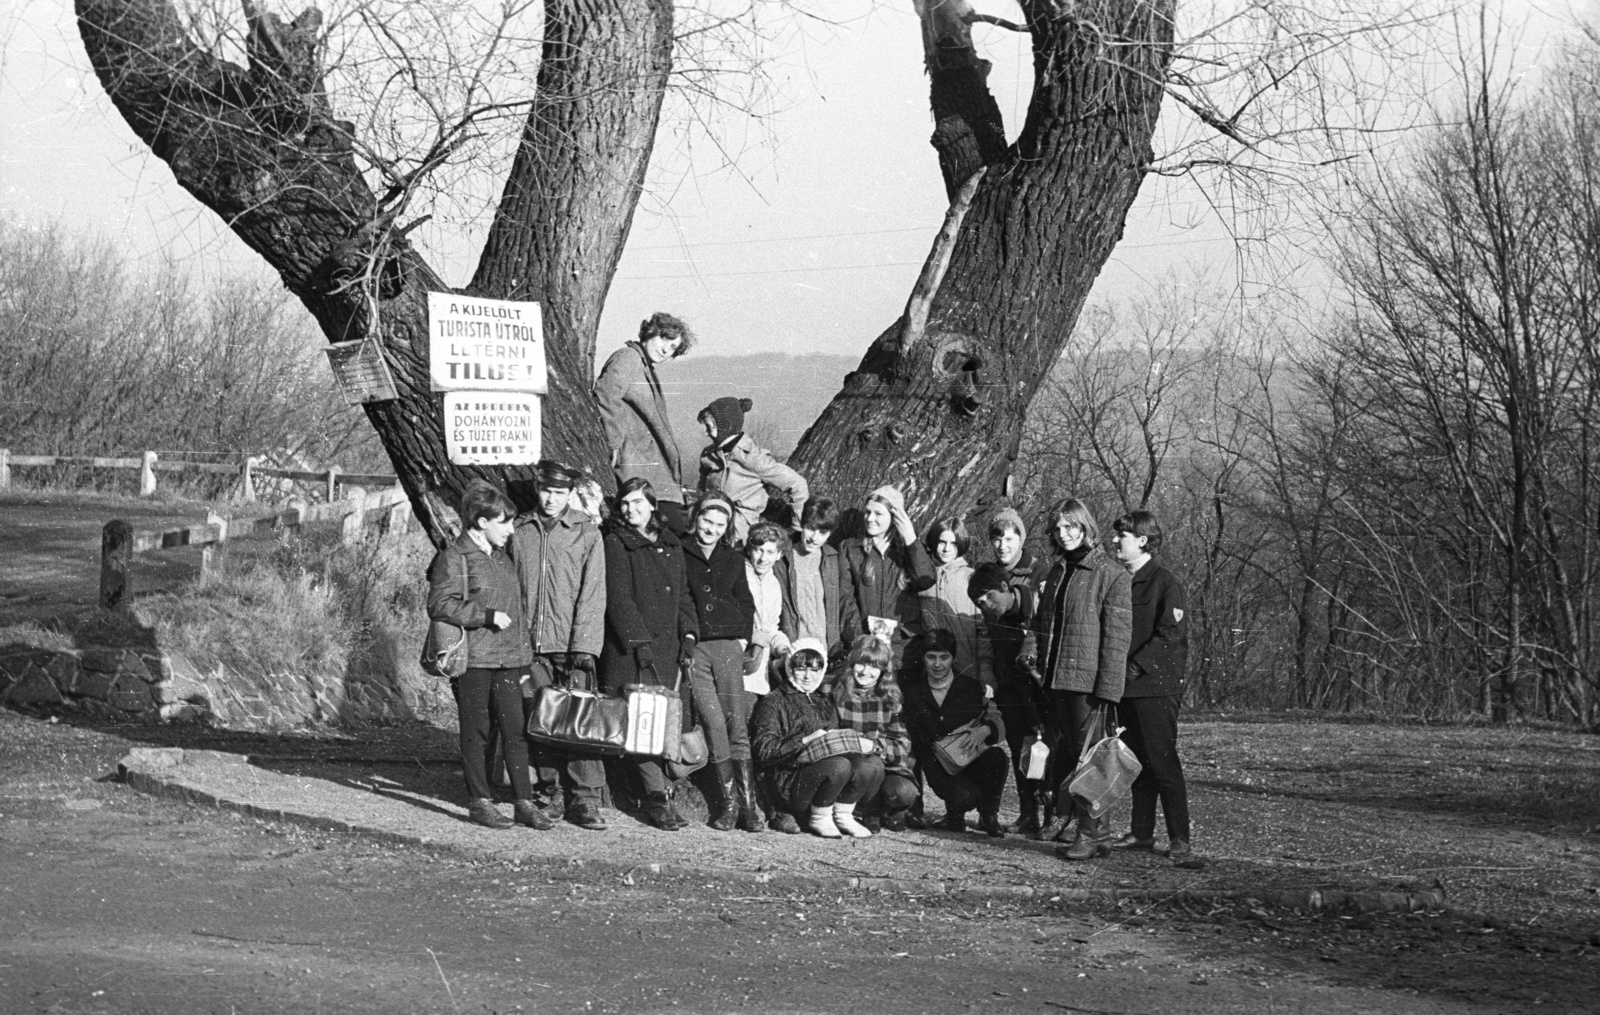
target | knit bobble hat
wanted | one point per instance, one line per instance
(890, 495)
(728, 414)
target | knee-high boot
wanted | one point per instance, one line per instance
(751, 799)
(727, 808)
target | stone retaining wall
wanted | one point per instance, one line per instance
(151, 685)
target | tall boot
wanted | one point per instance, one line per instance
(727, 810)
(1027, 822)
(1093, 839)
(748, 790)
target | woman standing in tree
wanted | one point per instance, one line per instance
(634, 412)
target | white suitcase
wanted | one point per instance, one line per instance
(647, 719)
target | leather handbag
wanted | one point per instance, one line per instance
(444, 648)
(1106, 768)
(959, 748)
(580, 722)
(693, 754)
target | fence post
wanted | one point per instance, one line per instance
(333, 483)
(116, 550)
(207, 551)
(5, 468)
(147, 475)
(247, 482)
(354, 521)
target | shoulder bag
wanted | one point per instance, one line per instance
(444, 649)
(960, 747)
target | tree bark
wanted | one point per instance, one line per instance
(260, 146)
(1041, 225)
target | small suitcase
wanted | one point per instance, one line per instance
(648, 714)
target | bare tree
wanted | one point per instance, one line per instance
(938, 401)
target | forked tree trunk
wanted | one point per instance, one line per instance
(943, 417)
(938, 401)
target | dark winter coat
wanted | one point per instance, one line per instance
(648, 609)
(1159, 646)
(563, 581)
(837, 603)
(723, 605)
(491, 584)
(886, 585)
(634, 413)
(1083, 624)
(927, 721)
(780, 724)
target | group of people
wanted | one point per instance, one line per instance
(897, 667)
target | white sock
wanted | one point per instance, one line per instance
(844, 818)
(822, 823)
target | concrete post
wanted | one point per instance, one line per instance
(147, 475)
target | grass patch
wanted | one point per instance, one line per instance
(307, 630)
(33, 635)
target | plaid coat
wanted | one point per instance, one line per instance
(878, 717)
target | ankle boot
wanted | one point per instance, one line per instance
(727, 810)
(658, 811)
(1027, 822)
(1093, 839)
(822, 823)
(748, 787)
(844, 819)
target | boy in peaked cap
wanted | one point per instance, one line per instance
(734, 466)
(562, 566)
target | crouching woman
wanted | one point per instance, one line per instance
(938, 705)
(824, 791)
(870, 702)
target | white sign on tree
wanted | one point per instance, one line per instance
(487, 356)
(491, 427)
(476, 344)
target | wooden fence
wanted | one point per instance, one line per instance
(149, 464)
(119, 543)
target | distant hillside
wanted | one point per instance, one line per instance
(788, 391)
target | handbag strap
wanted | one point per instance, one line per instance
(1094, 732)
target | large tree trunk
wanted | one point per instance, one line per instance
(938, 401)
(260, 146)
(938, 411)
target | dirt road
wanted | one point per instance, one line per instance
(50, 549)
(117, 902)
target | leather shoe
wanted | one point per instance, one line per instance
(658, 811)
(531, 814)
(895, 821)
(990, 823)
(955, 821)
(482, 811)
(1179, 849)
(586, 815)
(1131, 843)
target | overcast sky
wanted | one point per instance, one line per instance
(809, 244)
